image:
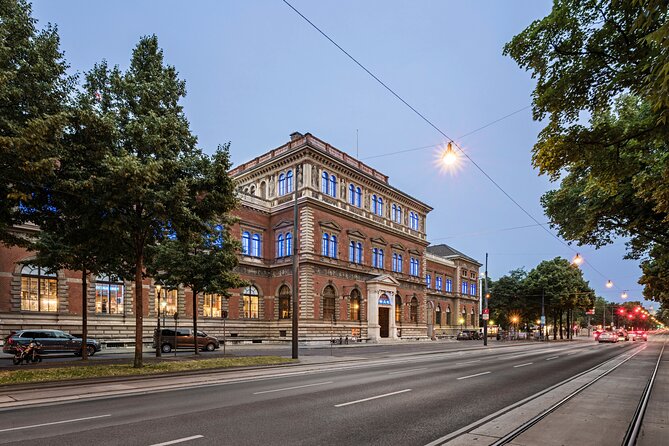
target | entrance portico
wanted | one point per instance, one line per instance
(381, 291)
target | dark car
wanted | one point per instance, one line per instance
(183, 338)
(52, 341)
(639, 335)
(466, 335)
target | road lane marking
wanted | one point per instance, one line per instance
(293, 388)
(53, 422)
(552, 357)
(178, 440)
(522, 365)
(468, 362)
(572, 353)
(372, 398)
(471, 376)
(406, 371)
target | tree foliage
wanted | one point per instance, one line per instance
(602, 71)
(34, 89)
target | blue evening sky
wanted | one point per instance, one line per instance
(256, 71)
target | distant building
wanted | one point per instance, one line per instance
(365, 268)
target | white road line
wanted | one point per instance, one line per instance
(522, 365)
(471, 376)
(406, 371)
(572, 353)
(292, 388)
(552, 357)
(468, 362)
(53, 422)
(372, 398)
(178, 440)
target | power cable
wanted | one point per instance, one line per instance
(441, 132)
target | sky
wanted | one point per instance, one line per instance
(255, 72)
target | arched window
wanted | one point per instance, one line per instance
(282, 184)
(399, 263)
(280, 246)
(399, 214)
(358, 197)
(413, 267)
(394, 261)
(328, 303)
(351, 194)
(39, 289)
(465, 287)
(325, 246)
(355, 305)
(246, 243)
(375, 257)
(333, 246)
(438, 283)
(463, 317)
(333, 186)
(212, 305)
(359, 251)
(351, 251)
(449, 285)
(255, 245)
(251, 302)
(414, 310)
(428, 281)
(289, 181)
(374, 204)
(448, 315)
(394, 212)
(289, 244)
(398, 308)
(284, 302)
(473, 315)
(325, 182)
(472, 288)
(108, 295)
(381, 263)
(438, 314)
(379, 207)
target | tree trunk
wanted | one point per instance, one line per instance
(139, 311)
(84, 315)
(554, 325)
(195, 346)
(561, 332)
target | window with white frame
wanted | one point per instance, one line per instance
(413, 220)
(329, 184)
(465, 287)
(449, 285)
(255, 245)
(282, 184)
(108, 295)
(280, 246)
(472, 288)
(374, 204)
(289, 181)
(39, 289)
(212, 305)
(377, 258)
(413, 267)
(438, 284)
(246, 243)
(428, 281)
(329, 245)
(379, 207)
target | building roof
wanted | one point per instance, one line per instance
(448, 252)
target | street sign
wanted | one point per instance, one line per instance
(486, 311)
(486, 316)
(543, 320)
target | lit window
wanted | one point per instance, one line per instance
(108, 295)
(355, 305)
(39, 289)
(170, 297)
(212, 305)
(328, 303)
(284, 302)
(250, 298)
(398, 308)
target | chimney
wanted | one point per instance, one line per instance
(295, 135)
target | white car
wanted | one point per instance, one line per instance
(608, 336)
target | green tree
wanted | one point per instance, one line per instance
(507, 296)
(201, 255)
(602, 70)
(147, 185)
(34, 89)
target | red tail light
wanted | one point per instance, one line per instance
(10, 341)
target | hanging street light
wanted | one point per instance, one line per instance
(609, 284)
(577, 260)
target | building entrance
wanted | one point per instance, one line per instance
(384, 322)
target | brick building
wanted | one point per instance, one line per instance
(365, 269)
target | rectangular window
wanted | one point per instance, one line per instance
(212, 305)
(39, 294)
(465, 287)
(472, 288)
(449, 285)
(438, 283)
(428, 281)
(108, 298)
(251, 307)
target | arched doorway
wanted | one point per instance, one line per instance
(384, 315)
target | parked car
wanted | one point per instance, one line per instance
(466, 335)
(608, 336)
(639, 335)
(52, 341)
(183, 338)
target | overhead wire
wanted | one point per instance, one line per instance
(441, 132)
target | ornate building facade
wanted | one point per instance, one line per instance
(365, 270)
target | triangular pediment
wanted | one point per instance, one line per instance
(283, 224)
(378, 240)
(414, 252)
(384, 279)
(329, 225)
(397, 246)
(356, 233)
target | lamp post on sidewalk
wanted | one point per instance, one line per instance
(486, 296)
(159, 330)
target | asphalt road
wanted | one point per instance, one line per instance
(407, 399)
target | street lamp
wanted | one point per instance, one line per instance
(577, 260)
(462, 321)
(449, 157)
